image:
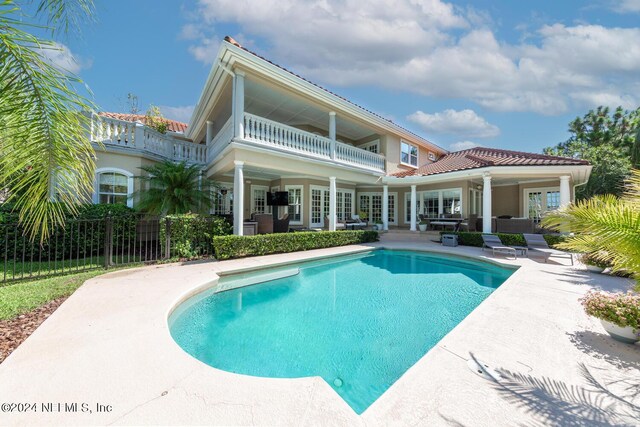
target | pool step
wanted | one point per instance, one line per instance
(249, 279)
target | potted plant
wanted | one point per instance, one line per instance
(422, 225)
(378, 225)
(592, 263)
(618, 312)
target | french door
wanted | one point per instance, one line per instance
(370, 204)
(540, 200)
(320, 205)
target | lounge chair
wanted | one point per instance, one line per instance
(536, 242)
(355, 223)
(494, 243)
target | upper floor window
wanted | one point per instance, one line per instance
(408, 154)
(114, 187)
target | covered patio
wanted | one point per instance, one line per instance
(486, 185)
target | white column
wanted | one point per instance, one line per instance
(565, 190)
(385, 207)
(238, 105)
(486, 204)
(210, 135)
(332, 203)
(238, 198)
(332, 133)
(412, 210)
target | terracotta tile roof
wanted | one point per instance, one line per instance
(174, 126)
(231, 40)
(480, 157)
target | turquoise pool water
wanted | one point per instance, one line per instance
(359, 322)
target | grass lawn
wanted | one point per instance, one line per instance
(31, 270)
(22, 297)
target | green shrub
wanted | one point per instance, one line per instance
(191, 234)
(83, 235)
(467, 238)
(227, 247)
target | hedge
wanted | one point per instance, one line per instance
(82, 235)
(467, 238)
(227, 247)
(191, 234)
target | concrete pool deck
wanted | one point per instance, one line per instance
(109, 344)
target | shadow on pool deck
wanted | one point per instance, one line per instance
(598, 281)
(612, 399)
(603, 347)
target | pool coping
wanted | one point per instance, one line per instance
(114, 312)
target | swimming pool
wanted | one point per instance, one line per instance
(358, 321)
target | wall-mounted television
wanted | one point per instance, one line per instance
(278, 198)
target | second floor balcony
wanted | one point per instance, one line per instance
(135, 137)
(258, 131)
(263, 132)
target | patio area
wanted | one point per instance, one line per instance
(109, 345)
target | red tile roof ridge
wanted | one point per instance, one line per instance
(173, 125)
(479, 157)
(514, 153)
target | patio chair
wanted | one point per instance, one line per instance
(281, 225)
(536, 242)
(265, 223)
(469, 224)
(339, 225)
(494, 243)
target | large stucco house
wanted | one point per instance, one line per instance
(259, 128)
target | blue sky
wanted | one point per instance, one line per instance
(499, 73)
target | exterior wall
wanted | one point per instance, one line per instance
(505, 200)
(391, 149)
(129, 163)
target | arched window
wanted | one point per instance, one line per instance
(113, 186)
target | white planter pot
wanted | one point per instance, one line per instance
(422, 227)
(595, 268)
(627, 334)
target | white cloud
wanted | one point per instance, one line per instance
(432, 48)
(463, 145)
(181, 114)
(626, 6)
(206, 50)
(62, 58)
(463, 123)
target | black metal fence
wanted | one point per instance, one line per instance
(80, 245)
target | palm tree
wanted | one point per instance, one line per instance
(42, 133)
(605, 227)
(174, 188)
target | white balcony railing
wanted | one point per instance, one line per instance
(220, 141)
(119, 133)
(286, 138)
(136, 136)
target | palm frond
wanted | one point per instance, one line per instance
(173, 188)
(66, 14)
(42, 133)
(606, 227)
